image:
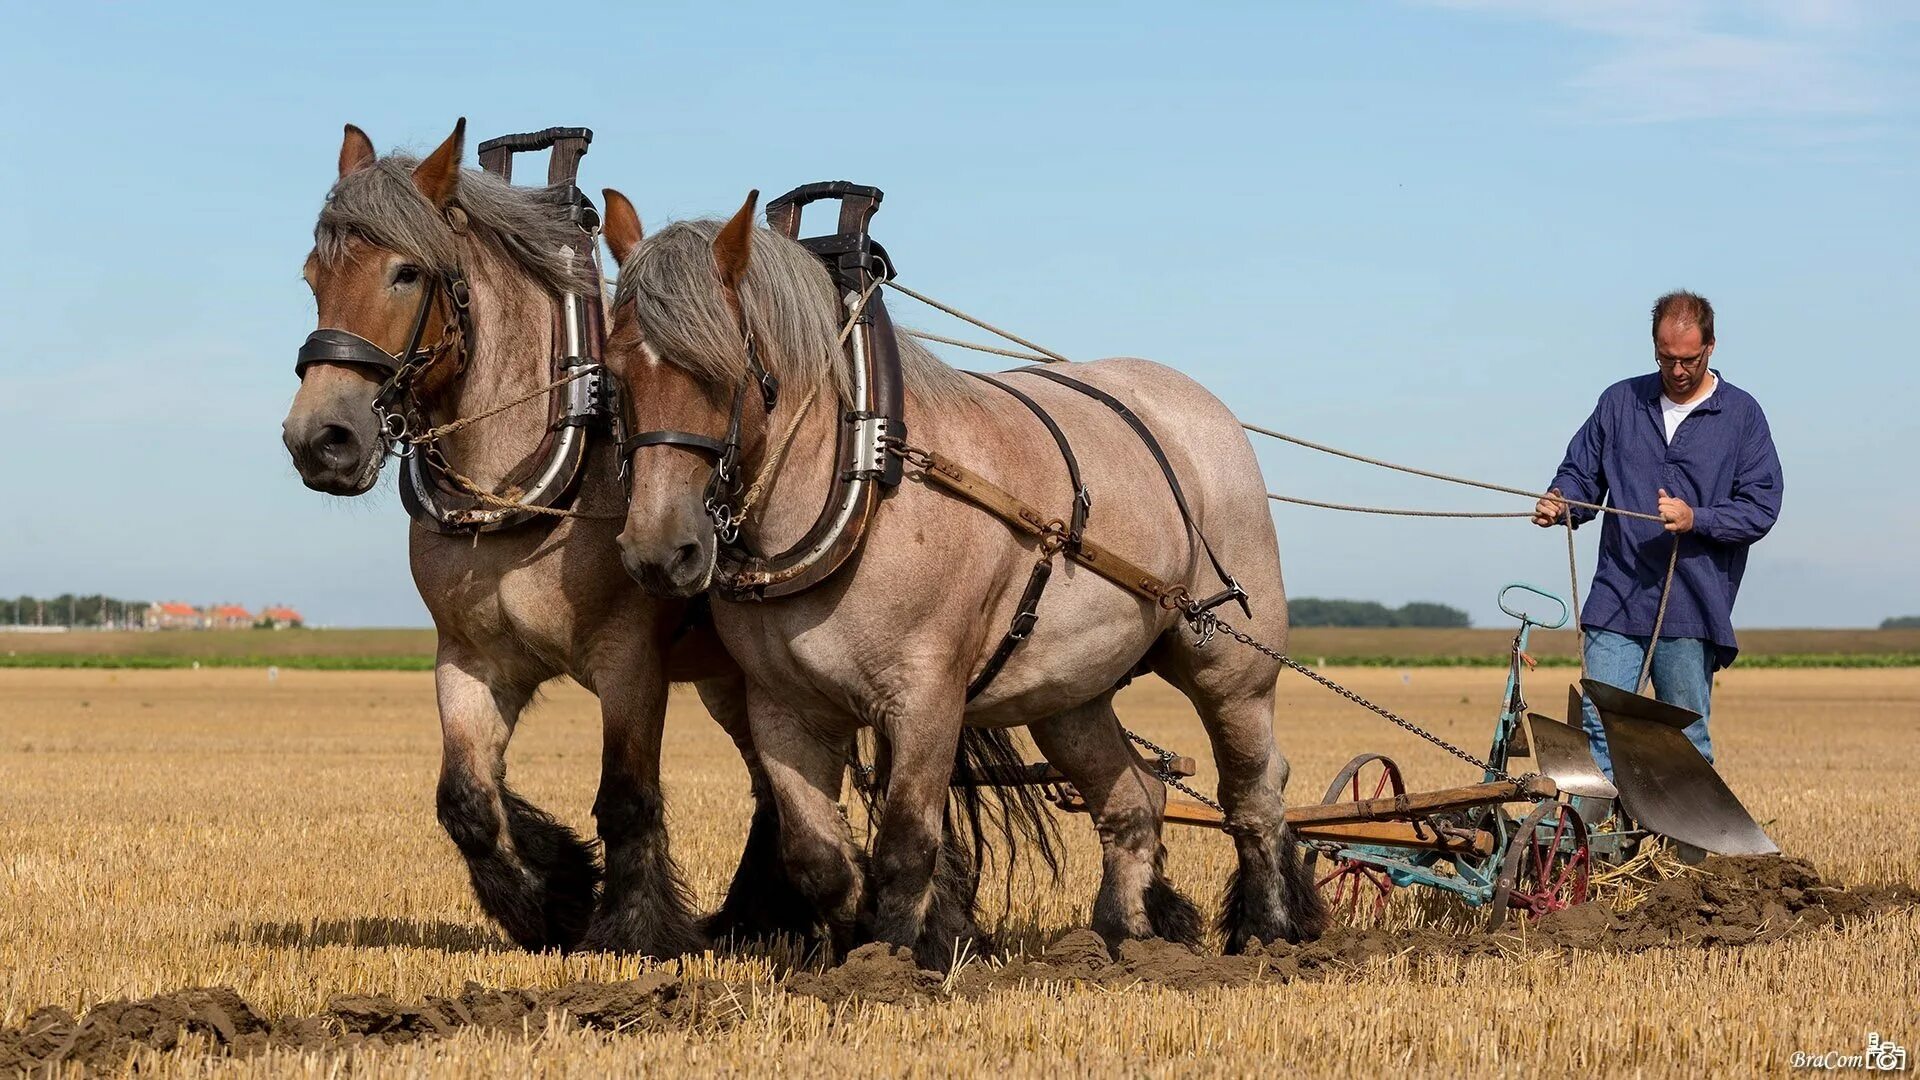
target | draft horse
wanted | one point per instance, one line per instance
(441, 294)
(705, 316)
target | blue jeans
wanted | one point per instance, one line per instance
(1682, 675)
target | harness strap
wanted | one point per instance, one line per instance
(1028, 611)
(705, 444)
(1082, 500)
(996, 500)
(1023, 620)
(347, 349)
(1233, 591)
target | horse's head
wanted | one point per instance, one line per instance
(682, 336)
(385, 306)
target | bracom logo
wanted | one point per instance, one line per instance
(1882, 1055)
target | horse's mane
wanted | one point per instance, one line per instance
(380, 205)
(790, 304)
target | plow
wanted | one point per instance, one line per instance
(1521, 847)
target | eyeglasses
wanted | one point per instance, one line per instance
(1689, 362)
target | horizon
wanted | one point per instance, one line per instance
(1425, 231)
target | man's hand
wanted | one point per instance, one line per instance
(1550, 510)
(1676, 513)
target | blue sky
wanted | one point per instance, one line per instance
(1427, 231)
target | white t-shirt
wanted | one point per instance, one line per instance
(1673, 411)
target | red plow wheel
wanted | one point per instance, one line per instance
(1546, 867)
(1350, 886)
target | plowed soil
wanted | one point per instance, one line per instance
(1731, 903)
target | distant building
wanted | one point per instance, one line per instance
(173, 615)
(229, 617)
(280, 618)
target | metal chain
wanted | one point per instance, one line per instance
(1164, 771)
(1206, 620)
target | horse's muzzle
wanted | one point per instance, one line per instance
(333, 458)
(684, 571)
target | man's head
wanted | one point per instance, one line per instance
(1682, 342)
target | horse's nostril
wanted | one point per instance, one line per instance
(335, 446)
(685, 557)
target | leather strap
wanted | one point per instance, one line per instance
(996, 500)
(1233, 591)
(1028, 613)
(1082, 501)
(1023, 620)
(346, 348)
(705, 444)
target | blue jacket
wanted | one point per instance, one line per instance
(1721, 463)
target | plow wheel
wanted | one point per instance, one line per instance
(1546, 867)
(1349, 885)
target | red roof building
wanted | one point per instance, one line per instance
(281, 617)
(229, 617)
(173, 615)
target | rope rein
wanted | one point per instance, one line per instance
(464, 422)
(1043, 354)
(428, 442)
(1400, 512)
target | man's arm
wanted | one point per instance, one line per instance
(1757, 487)
(1581, 476)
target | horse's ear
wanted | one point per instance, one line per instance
(734, 246)
(622, 225)
(356, 151)
(439, 176)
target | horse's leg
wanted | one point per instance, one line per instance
(762, 900)
(1136, 900)
(804, 770)
(907, 848)
(533, 875)
(644, 906)
(1271, 896)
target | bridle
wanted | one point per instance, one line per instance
(872, 418)
(586, 396)
(395, 406)
(724, 485)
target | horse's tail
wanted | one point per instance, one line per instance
(979, 817)
(1008, 816)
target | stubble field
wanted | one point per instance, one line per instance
(171, 829)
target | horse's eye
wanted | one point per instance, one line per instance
(406, 274)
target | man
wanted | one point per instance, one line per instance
(1690, 447)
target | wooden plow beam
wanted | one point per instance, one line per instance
(1393, 821)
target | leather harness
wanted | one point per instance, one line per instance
(1069, 536)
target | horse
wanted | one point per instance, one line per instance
(517, 607)
(894, 638)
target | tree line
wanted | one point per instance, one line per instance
(1901, 622)
(68, 610)
(1313, 611)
